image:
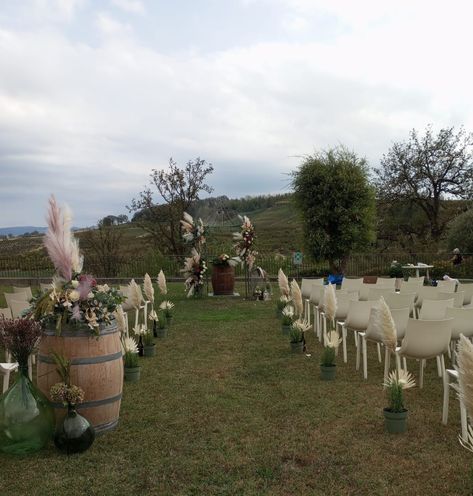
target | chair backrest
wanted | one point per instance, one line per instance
(434, 309)
(16, 297)
(468, 291)
(419, 280)
(343, 303)
(447, 286)
(44, 286)
(400, 300)
(6, 313)
(401, 318)
(25, 289)
(17, 307)
(426, 338)
(457, 297)
(306, 286)
(386, 282)
(410, 287)
(426, 292)
(358, 315)
(376, 293)
(462, 321)
(352, 284)
(316, 295)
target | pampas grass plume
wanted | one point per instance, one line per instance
(297, 297)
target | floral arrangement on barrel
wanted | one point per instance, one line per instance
(244, 243)
(26, 417)
(225, 260)
(328, 366)
(74, 299)
(194, 270)
(193, 232)
(395, 415)
(297, 335)
(74, 434)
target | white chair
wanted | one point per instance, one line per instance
(16, 297)
(467, 289)
(308, 286)
(447, 286)
(457, 298)
(425, 339)
(5, 313)
(364, 291)
(316, 299)
(375, 294)
(409, 287)
(374, 333)
(453, 374)
(343, 303)
(400, 300)
(386, 282)
(6, 368)
(462, 324)
(18, 307)
(427, 292)
(435, 309)
(351, 284)
(25, 289)
(419, 280)
(358, 316)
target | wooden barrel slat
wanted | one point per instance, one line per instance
(96, 366)
(223, 280)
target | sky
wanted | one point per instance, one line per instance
(94, 94)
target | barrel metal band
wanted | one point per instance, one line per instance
(86, 360)
(91, 404)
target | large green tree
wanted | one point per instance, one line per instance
(337, 204)
(424, 170)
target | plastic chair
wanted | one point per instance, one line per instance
(365, 291)
(435, 309)
(457, 298)
(352, 284)
(307, 285)
(357, 320)
(425, 292)
(400, 300)
(376, 293)
(6, 368)
(419, 280)
(462, 324)
(386, 282)
(343, 303)
(447, 286)
(410, 287)
(25, 289)
(316, 299)
(5, 313)
(9, 297)
(453, 374)
(374, 333)
(18, 307)
(467, 289)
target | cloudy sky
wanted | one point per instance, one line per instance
(96, 93)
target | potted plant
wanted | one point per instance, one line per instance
(297, 335)
(395, 270)
(280, 304)
(130, 360)
(139, 331)
(74, 434)
(328, 367)
(223, 274)
(166, 307)
(162, 326)
(149, 346)
(287, 318)
(395, 416)
(153, 317)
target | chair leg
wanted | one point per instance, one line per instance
(344, 343)
(398, 362)
(439, 367)
(464, 422)
(365, 358)
(387, 359)
(6, 381)
(421, 373)
(445, 390)
(404, 363)
(358, 351)
(378, 346)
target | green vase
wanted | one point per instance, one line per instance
(132, 374)
(285, 329)
(162, 332)
(26, 417)
(149, 350)
(328, 372)
(75, 434)
(395, 422)
(297, 347)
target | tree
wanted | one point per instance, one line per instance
(460, 233)
(178, 189)
(337, 203)
(102, 247)
(427, 169)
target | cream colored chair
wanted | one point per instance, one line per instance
(425, 292)
(374, 294)
(419, 280)
(374, 333)
(435, 309)
(357, 320)
(5, 313)
(400, 300)
(453, 374)
(364, 291)
(9, 297)
(308, 285)
(316, 300)
(462, 324)
(457, 298)
(386, 282)
(410, 287)
(25, 289)
(18, 307)
(467, 290)
(447, 286)
(6, 368)
(343, 303)
(351, 284)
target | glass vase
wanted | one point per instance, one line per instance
(75, 434)
(26, 417)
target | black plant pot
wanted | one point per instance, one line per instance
(75, 434)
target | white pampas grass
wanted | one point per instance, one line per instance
(297, 297)
(386, 325)
(135, 296)
(283, 283)
(465, 373)
(148, 288)
(162, 283)
(288, 311)
(120, 318)
(129, 345)
(332, 339)
(330, 302)
(401, 377)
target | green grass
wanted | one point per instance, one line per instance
(225, 409)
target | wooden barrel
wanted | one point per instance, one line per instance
(96, 366)
(223, 279)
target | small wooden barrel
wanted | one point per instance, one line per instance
(96, 367)
(223, 279)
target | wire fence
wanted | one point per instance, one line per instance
(359, 264)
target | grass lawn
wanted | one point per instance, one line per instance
(225, 409)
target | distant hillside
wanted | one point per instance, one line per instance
(20, 230)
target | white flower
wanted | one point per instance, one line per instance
(75, 283)
(129, 345)
(74, 295)
(301, 325)
(401, 377)
(288, 311)
(104, 288)
(90, 295)
(332, 339)
(166, 305)
(139, 330)
(153, 316)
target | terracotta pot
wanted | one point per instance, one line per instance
(223, 280)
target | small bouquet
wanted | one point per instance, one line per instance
(225, 260)
(192, 232)
(288, 316)
(298, 330)
(244, 246)
(64, 392)
(194, 270)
